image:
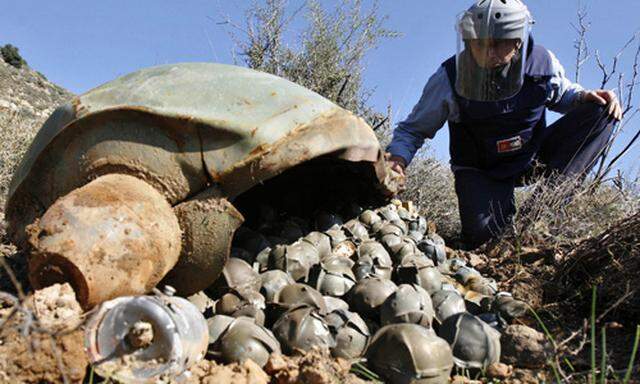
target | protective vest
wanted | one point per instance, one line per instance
(502, 137)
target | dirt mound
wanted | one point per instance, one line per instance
(41, 358)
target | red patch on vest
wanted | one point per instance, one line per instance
(509, 145)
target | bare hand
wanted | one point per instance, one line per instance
(397, 163)
(603, 97)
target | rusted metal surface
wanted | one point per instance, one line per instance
(114, 236)
(337, 133)
(195, 129)
(208, 223)
(160, 151)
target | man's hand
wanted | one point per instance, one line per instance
(603, 97)
(396, 162)
(397, 165)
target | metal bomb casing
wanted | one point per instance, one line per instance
(200, 135)
(114, 236)
(474, 343)
(234, 340)
(350, 333)
(176, 337)
(368, 294)
(410, 354)
(447, 303)
(302, 328)
(408, 304)
(372, 259)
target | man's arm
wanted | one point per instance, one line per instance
(566, 94)
(427, 117)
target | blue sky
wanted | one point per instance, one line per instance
(82, 44)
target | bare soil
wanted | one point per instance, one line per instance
(35, 359)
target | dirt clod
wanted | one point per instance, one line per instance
(315, 367)
(209, 372)
(525, 376)
(463, 380)
(56, 308)
(499, 371)
(524, 347)
(141, 334)
(41, 358)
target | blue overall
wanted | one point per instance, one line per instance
(494, 145)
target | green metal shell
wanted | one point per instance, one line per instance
(181, 127)
(186, 129)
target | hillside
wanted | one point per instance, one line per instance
(27, 98)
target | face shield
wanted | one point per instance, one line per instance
(492, 49)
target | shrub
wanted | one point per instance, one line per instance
(328, 58)
(11, 56)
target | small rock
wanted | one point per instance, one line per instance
(499, 371)
(477, 261)
(56, 308)
(524, 347)
(202, 301)
(463, 380)
(141, 334)
(524, 376)
(208, 372)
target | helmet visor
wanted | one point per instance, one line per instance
(491, 55)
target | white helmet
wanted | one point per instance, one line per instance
(492, 44)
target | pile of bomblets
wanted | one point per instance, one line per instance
(377, 288)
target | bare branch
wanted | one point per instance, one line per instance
(622, 152)
(580, 44)
(632, 84)
(607, 74)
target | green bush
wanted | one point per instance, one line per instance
(11, 56)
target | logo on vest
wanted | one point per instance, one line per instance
(510, 145)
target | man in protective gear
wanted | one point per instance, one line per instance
(494, 94)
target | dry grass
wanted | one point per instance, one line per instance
(556, 213)
(16, 133)
(430, 186)
(550, 215)
(610, 261)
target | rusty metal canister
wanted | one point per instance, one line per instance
(139, 339)
(114, 236)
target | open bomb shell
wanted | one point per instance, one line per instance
(350, 333)
(368, 294)
(235, 340)
(474, 343)
(178, 337)
(410, 354)
(301, 329)
(408, 304)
